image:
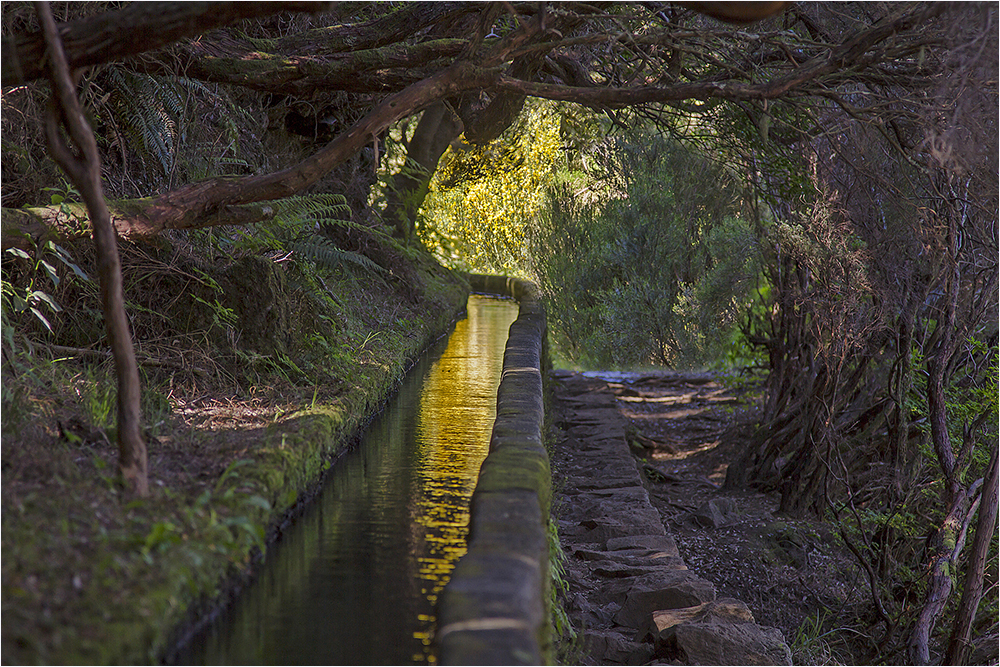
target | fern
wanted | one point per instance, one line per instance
(146, 108)
(309, 214)
(301, 219)
(298, 225)
(324, 253)
(307, 211)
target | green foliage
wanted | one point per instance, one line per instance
(810, 645)
(146, 111)
(304, 225)
(565, 637)
(27, 296)
(323, 252)
(169, 130)
(648, 263)
(482, 198)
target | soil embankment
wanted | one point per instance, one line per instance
(257, 374)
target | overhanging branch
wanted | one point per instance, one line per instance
(221, 200)
(384, 69)
(140, 27)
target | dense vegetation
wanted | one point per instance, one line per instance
(814, 194)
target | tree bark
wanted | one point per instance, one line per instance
(945, 549)
(85, 173)
(958, 646)
(389, 29)
(437, 128)
(385, 69)
(140, 27)
(836, 63)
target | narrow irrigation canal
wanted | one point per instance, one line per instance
(355, 580)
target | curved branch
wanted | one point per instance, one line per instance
(384, 69)
(389, 29)
(85, 172)
(221, 200)
(850, 52)
(140, 27)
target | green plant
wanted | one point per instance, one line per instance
(645, 264)
(18, 299)
(565, 635)
(810, 645)
(146, 112)
(308, 226)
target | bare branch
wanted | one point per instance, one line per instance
(85, 172)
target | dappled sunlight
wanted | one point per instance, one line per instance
(666, 414)
(688, 451)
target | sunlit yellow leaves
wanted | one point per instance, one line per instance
(481, 198)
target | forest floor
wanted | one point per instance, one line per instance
(684, 430)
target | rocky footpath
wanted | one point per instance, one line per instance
(629, 594)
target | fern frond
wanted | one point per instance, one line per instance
(318, 206)
(324, 253)
(146, 107)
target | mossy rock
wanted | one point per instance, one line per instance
(257, 291)
(785, 543)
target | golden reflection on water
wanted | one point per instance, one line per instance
(355, 579)
(457, 410)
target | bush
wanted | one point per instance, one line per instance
(649, 262)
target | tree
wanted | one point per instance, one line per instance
(881, 334)
(638, 56)
(85, 171)
(647, 258)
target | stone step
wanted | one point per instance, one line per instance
(643, 605)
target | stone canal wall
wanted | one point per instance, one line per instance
(494, 611)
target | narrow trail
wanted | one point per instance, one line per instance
(637, 469)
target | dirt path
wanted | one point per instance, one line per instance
(638, 468)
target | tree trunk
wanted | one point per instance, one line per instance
(437, 128)
(958, 646)
(945, 549)
(85, 173)
(140, 27)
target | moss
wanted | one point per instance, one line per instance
(90, 578)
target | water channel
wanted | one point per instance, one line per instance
(355, 580)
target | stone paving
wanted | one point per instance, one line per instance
(630, 594)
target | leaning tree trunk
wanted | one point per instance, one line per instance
(437, 128)
(958, 646)
(85, 173)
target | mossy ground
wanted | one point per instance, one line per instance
(255, 371)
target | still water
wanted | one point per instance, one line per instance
(355, 580)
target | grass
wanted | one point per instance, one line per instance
(239, 423)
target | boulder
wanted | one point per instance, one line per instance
(663, 622)
(721, 632)
(608, 646)
(785, 543)
(730, 644)
(715, 513)
(669, 589)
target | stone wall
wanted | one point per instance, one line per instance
(494, 610)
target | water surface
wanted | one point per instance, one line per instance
(355, 580)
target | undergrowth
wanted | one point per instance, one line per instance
(256, 366)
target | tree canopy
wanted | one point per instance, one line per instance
(659, 60)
